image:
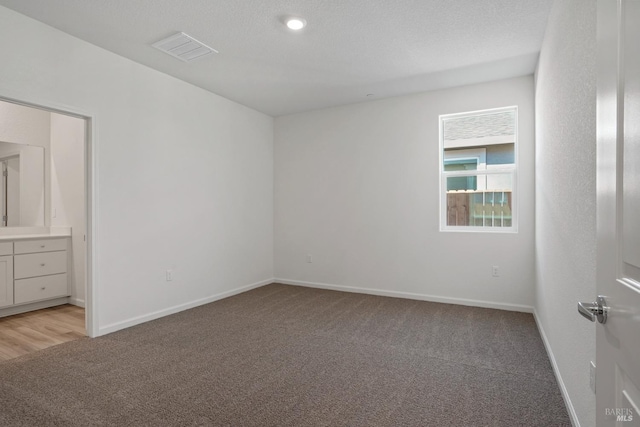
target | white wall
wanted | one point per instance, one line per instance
(357, 188)
(24, 125)
(184, 177)
(33, 186)
(566, 195)
(67, 193)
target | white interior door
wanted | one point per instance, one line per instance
(618, 339)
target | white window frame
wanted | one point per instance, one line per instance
(481, 172)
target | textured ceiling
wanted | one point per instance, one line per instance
(350, 48)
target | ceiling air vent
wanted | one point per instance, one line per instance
(184, 47)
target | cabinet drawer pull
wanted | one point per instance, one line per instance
(42, 265)
(44, 287)
(42, 246)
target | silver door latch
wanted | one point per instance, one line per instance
(594, 310)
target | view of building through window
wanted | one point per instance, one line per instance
(478, 169)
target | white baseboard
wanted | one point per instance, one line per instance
(76, 301)
(10, 311)
(178, 308)
(563, 389)
(409, 295)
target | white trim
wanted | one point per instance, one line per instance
(409, 295)
(178, 308)
(91, 191)
(497, 170)
(28, 100)
(9, 155)
(493, 170)
(573, 416)
(479, 142)
(77, 302)
(479, 112)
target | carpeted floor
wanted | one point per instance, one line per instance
(290, 356)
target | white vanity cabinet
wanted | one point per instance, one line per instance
(33, 273)
(6, 274)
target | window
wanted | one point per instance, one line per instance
(478, 170)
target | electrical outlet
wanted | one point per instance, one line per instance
(495, 272)
(169, 275)
(309, 258)
(592, 376)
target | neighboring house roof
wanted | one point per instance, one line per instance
(480, 126)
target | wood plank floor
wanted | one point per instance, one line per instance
(28, 332)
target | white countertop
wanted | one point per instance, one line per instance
(22, 233)
(32, 236)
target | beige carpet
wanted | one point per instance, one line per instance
(289, 356)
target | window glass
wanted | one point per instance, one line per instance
(478, 170)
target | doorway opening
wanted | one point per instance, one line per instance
(45, 227)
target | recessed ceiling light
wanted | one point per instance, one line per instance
(295, 23)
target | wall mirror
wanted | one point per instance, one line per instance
(22, 189)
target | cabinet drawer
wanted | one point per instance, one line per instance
(44, 245)
(6, 248)
(30, 265)
(39, 288)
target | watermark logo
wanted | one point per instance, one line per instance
(620, 414)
